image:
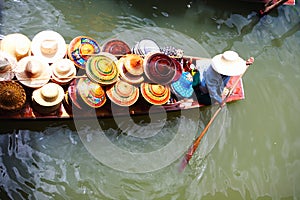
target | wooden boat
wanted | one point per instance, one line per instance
(68, 109)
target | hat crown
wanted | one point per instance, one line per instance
(86, 49)
(49, 92)
(124, 88)
(230, 56)
(33, 69)
(49, 47)
(97, 91)
(63, 70)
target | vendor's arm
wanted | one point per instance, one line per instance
(214, 85)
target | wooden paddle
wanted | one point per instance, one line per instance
(196, 143)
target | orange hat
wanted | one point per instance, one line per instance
(155, 94)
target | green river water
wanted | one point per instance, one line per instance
(250, 152)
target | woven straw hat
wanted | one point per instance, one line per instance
(91, 93)
(50, 94)
(16, 44)
(33, 72)
(49, 46)
(102, 68)
(80, 49)
(159, 68)
(131, 68)
(116, 47)
(12, 96)
(155, 94)
(8, 63)
(183, 87)
(63, 71)
(123, 93)
(229, 63)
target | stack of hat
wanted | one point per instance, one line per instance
(155, 94)
(183, 87)
(16, 44)
(49, 46)
(33, 72)
(48, 98)
(102, 68)
(12, 96)
(81, 48)
(116, 47)
(145, 46)
(131, 68)
(159, 68)
(8, 64)
(63, 71)
(123, 93)
(91, 93)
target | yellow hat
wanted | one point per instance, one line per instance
(155, 94)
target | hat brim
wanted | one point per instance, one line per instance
(228, 68)
(33, 82)
(37, 97)
(49, 35)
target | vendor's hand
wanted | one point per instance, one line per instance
(250, 61)
(225, 92)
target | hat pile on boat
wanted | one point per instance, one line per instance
(49, 68)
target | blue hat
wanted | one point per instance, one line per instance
(183, 87)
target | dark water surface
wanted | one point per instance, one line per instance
(250, 152)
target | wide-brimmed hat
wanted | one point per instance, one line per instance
(16, 44)
(63, 71)
(179, 70)
(102, 68)
(155, 93)
(123, 93)
(48, 95)
(183, 87)
(12, 96)
(33, 72)
(8, 63)
(49, 46)
(116, 47)
(131, 68)
(229, 63)
(91, 93)
(159, 68)
(81, 48)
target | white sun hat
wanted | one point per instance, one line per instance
(49, 46)
(229, 63)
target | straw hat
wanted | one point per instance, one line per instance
(80, 48)
(33, 72)
(16, 44)
(49, 46)
(48, 95)
(229, 63)
(8, 63)
(12, 96)
(91, 93)
(123, 93)
(63, 71)
(159, 68)
(179, 70)
(102, 68)
(183, 87)
(116, 47)
(155, 94)
(131, 68)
